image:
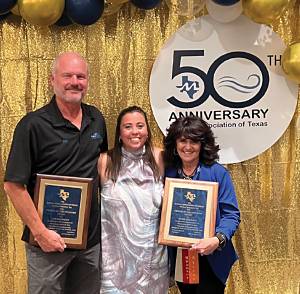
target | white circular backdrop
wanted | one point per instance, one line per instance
(230, 75)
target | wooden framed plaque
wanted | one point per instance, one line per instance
(63, 204)
(188, 212)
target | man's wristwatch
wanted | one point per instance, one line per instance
(222, 240)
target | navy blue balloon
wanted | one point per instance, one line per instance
(3, 16)
(145, 4)
(226, 2)
(64, 20)
(84, 12)
(6, 5)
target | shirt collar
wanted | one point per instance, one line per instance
(57, 118)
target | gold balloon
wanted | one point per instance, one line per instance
(291, 62)
(264, 11)
(41, 12)
(15, 10)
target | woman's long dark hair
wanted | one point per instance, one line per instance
(195, 129)
(115, 154)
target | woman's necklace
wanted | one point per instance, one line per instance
(190, 175)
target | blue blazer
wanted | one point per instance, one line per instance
(227, 217)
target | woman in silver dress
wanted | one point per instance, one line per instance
(131, 195)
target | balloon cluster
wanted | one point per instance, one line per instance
(224, 11)
(86, 12)
(66, 12)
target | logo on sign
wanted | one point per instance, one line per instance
(254, 85)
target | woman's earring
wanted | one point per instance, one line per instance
(120, 141)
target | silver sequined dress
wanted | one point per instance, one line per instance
(132, 260)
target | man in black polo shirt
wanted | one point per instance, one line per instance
(65, 137)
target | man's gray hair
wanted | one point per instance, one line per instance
(58, 57)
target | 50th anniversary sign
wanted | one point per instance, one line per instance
(230, 75)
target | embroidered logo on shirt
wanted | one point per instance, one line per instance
(95, 136)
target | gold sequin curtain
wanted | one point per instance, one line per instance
(121, 49)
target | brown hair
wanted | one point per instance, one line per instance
(195, 129)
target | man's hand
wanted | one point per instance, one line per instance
(50, 241)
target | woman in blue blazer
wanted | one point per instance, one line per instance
(191, 153)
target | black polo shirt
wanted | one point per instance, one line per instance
(45, 142)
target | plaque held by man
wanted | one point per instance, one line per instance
(63, 204)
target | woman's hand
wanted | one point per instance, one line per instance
(206, 246)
